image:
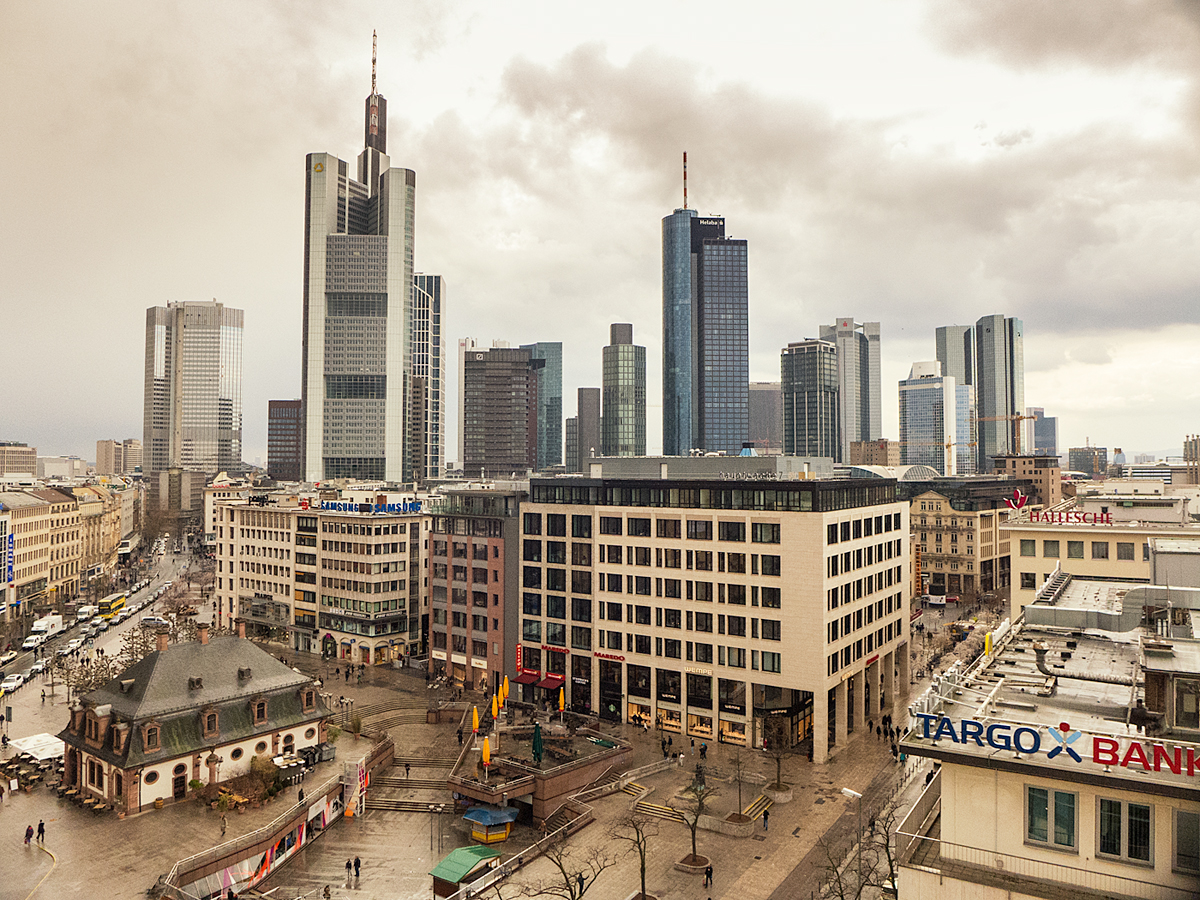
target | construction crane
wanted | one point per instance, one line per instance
(1016, 431)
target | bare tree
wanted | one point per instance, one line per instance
(695, 804)
(577, 870)
(741, 776)
(636, 830)
(882, 851)
(778, 745)
(841, 878)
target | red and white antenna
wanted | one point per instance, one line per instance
(373, 39)
(685, 179)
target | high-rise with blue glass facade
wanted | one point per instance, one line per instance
(706, 359)
(623, 421)
(999, 386)
(860, 400)
(550, 402)
(929, 411)
(809, 385)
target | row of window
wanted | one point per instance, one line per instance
(635, 526)
(836, 532)
(851, 653)
(1124, 829)
(1126, 550)
(841, 563)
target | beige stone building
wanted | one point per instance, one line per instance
(1043, 472)
(713, 606)
(875, 453)
(17, 459)
(47, 549)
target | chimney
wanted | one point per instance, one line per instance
(164, 636)
(202, 631)
(241, 625)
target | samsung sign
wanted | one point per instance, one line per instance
(411, 506)
(1064, 744)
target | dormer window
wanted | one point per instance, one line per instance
(260, 712)
(310, 700)
(151, 737)
(92, 728)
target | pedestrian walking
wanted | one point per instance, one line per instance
(43, 698)
(407, 767)
(28, 834)
(681, 759)
(766, 818)
(692, 751)
(337, 671)
(224, 824)
(41, 832)
(670, 742)
(357, 866)
(878, 732)
(703, 750)
(708, 876)
(349, 866)
(300, 796)
(460, 737)
(664, 749)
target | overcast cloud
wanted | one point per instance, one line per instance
(916, 164)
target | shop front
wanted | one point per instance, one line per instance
(731, 710)
(639, 710)
(700, 705)
(581, 684)
(611, 694)
(669, 694)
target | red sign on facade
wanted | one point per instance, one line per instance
(520, 668)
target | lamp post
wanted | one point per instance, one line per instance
(857, 796)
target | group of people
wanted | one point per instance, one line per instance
(351, 669)
(885, 729)
(356, 865)
(41, 833)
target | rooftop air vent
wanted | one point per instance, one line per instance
(195, 683)
(127, 685)
(244, 673)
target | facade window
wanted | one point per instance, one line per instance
(1028, 547)
(581, 526)
(581, 581)
(731, 531)
(770, 597)
(764, 533)
(771, 565)
(1074, 549)
(556, 525)
(771, 662)
(699, 530)
(669, 528)
(610, 525)
(260, 712)
(1028, 581)
(1125, 830)
(1187, 841)
(581, 638)
(1099, 549)
(1050, 549)
(1050, 817)
(1187, 703)
(556, 634)
(581, 554)
(671, 648)
(533, 551)
(638, 527)
(533, 523)
(771, 630)
(581, 609)
(1124, 550)
(736, 657)
(531, 630)
(152, 738)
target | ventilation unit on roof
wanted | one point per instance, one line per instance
(195, 683)
(244, 674)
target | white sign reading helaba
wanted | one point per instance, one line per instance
(409, 506)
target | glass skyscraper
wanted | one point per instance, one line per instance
(550, 402)
(860, 400)
(809, 383)
(999, 386)
(192, 415)
(954, 346)
(358, 311)
(929, 410)
(705, 336)
(429, 365)
(623, 420)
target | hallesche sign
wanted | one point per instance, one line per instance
(1104, 751)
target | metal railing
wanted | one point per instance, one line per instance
(976, 865)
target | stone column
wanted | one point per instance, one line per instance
(840, 723)
(876, 679)
(902, 657)
(888, 664)
(860, 713)
(820, 735)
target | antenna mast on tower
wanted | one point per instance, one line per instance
(373, 39)
(685, 179)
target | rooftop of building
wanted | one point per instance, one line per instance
(717, 466)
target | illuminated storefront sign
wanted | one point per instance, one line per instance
(411, 506)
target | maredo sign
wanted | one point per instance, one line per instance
(1050, 517)
(1064, 744)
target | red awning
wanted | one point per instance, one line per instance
(551, 682)
(527, 678)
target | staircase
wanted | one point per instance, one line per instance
(757, 807)
(658, 811)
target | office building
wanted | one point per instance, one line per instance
(623, 379)
(429, 371)
(766, 417)
(810, 389)
(17, 459)
(475, 585)
(550, 402)
(954, 347)
(875, 453)
(131, 452)
(500, 412)
(860, 398)
(46, 550)
(1040, 435)
(663, 599)
(705, 336)
(929, 418)
(61, 468)
(285, 444)
(358, 311)
(118, 457)
(1041, 472)
(999, 387)
(583, 430)
(193, 388)
(1091, 461)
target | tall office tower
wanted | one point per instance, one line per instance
(766, 417)
(358, 310)
(929, 418)
(860, 401)
(550, 405)
(588, 429)
(1092, 461)
(955, 350)
(571, 454)
(809, 383)
(623, 420)
(131, 454)
(285, 447)
(1039, 433)
(193, 388)
(500, 412)
(966, 433)
(110, 458)
(429, 365)
(999, 386)
(706, 359)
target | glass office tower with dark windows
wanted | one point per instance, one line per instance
(550, 402)
(809, 382)
(285, 450)
(429, 365)
(999, 386)
(500, 394)
(860, 410)
(705, 336)
(623, 420)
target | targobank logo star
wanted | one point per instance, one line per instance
(1065, 737)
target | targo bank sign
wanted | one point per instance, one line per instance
(1062, 744)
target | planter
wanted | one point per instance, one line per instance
(158, 803)
(692, 865)
(778, 797)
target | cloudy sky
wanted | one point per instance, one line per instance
(917, 163)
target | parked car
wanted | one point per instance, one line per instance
(38, 667)
(8, 657)
(12, 682)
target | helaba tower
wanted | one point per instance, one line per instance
(358, 310)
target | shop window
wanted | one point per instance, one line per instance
(1050, 817)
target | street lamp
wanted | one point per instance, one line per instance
(857, 796)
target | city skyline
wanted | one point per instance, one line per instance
(1043, 160)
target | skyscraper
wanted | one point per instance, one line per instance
(285, 449)
(766, 417)
(623, 420)
(193, 388)
(999, 386)
(705, 336)
(587, 440)
(929, 418)
(500, 412)
(429, 368)
(860, 401)
(955, 350)
(809, 383)
(1040, 434)
(118, 457)
(550, 405)
(358, 310)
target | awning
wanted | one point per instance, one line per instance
(551, 682)
(40, 746)
(527, 678)
(490, 815)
